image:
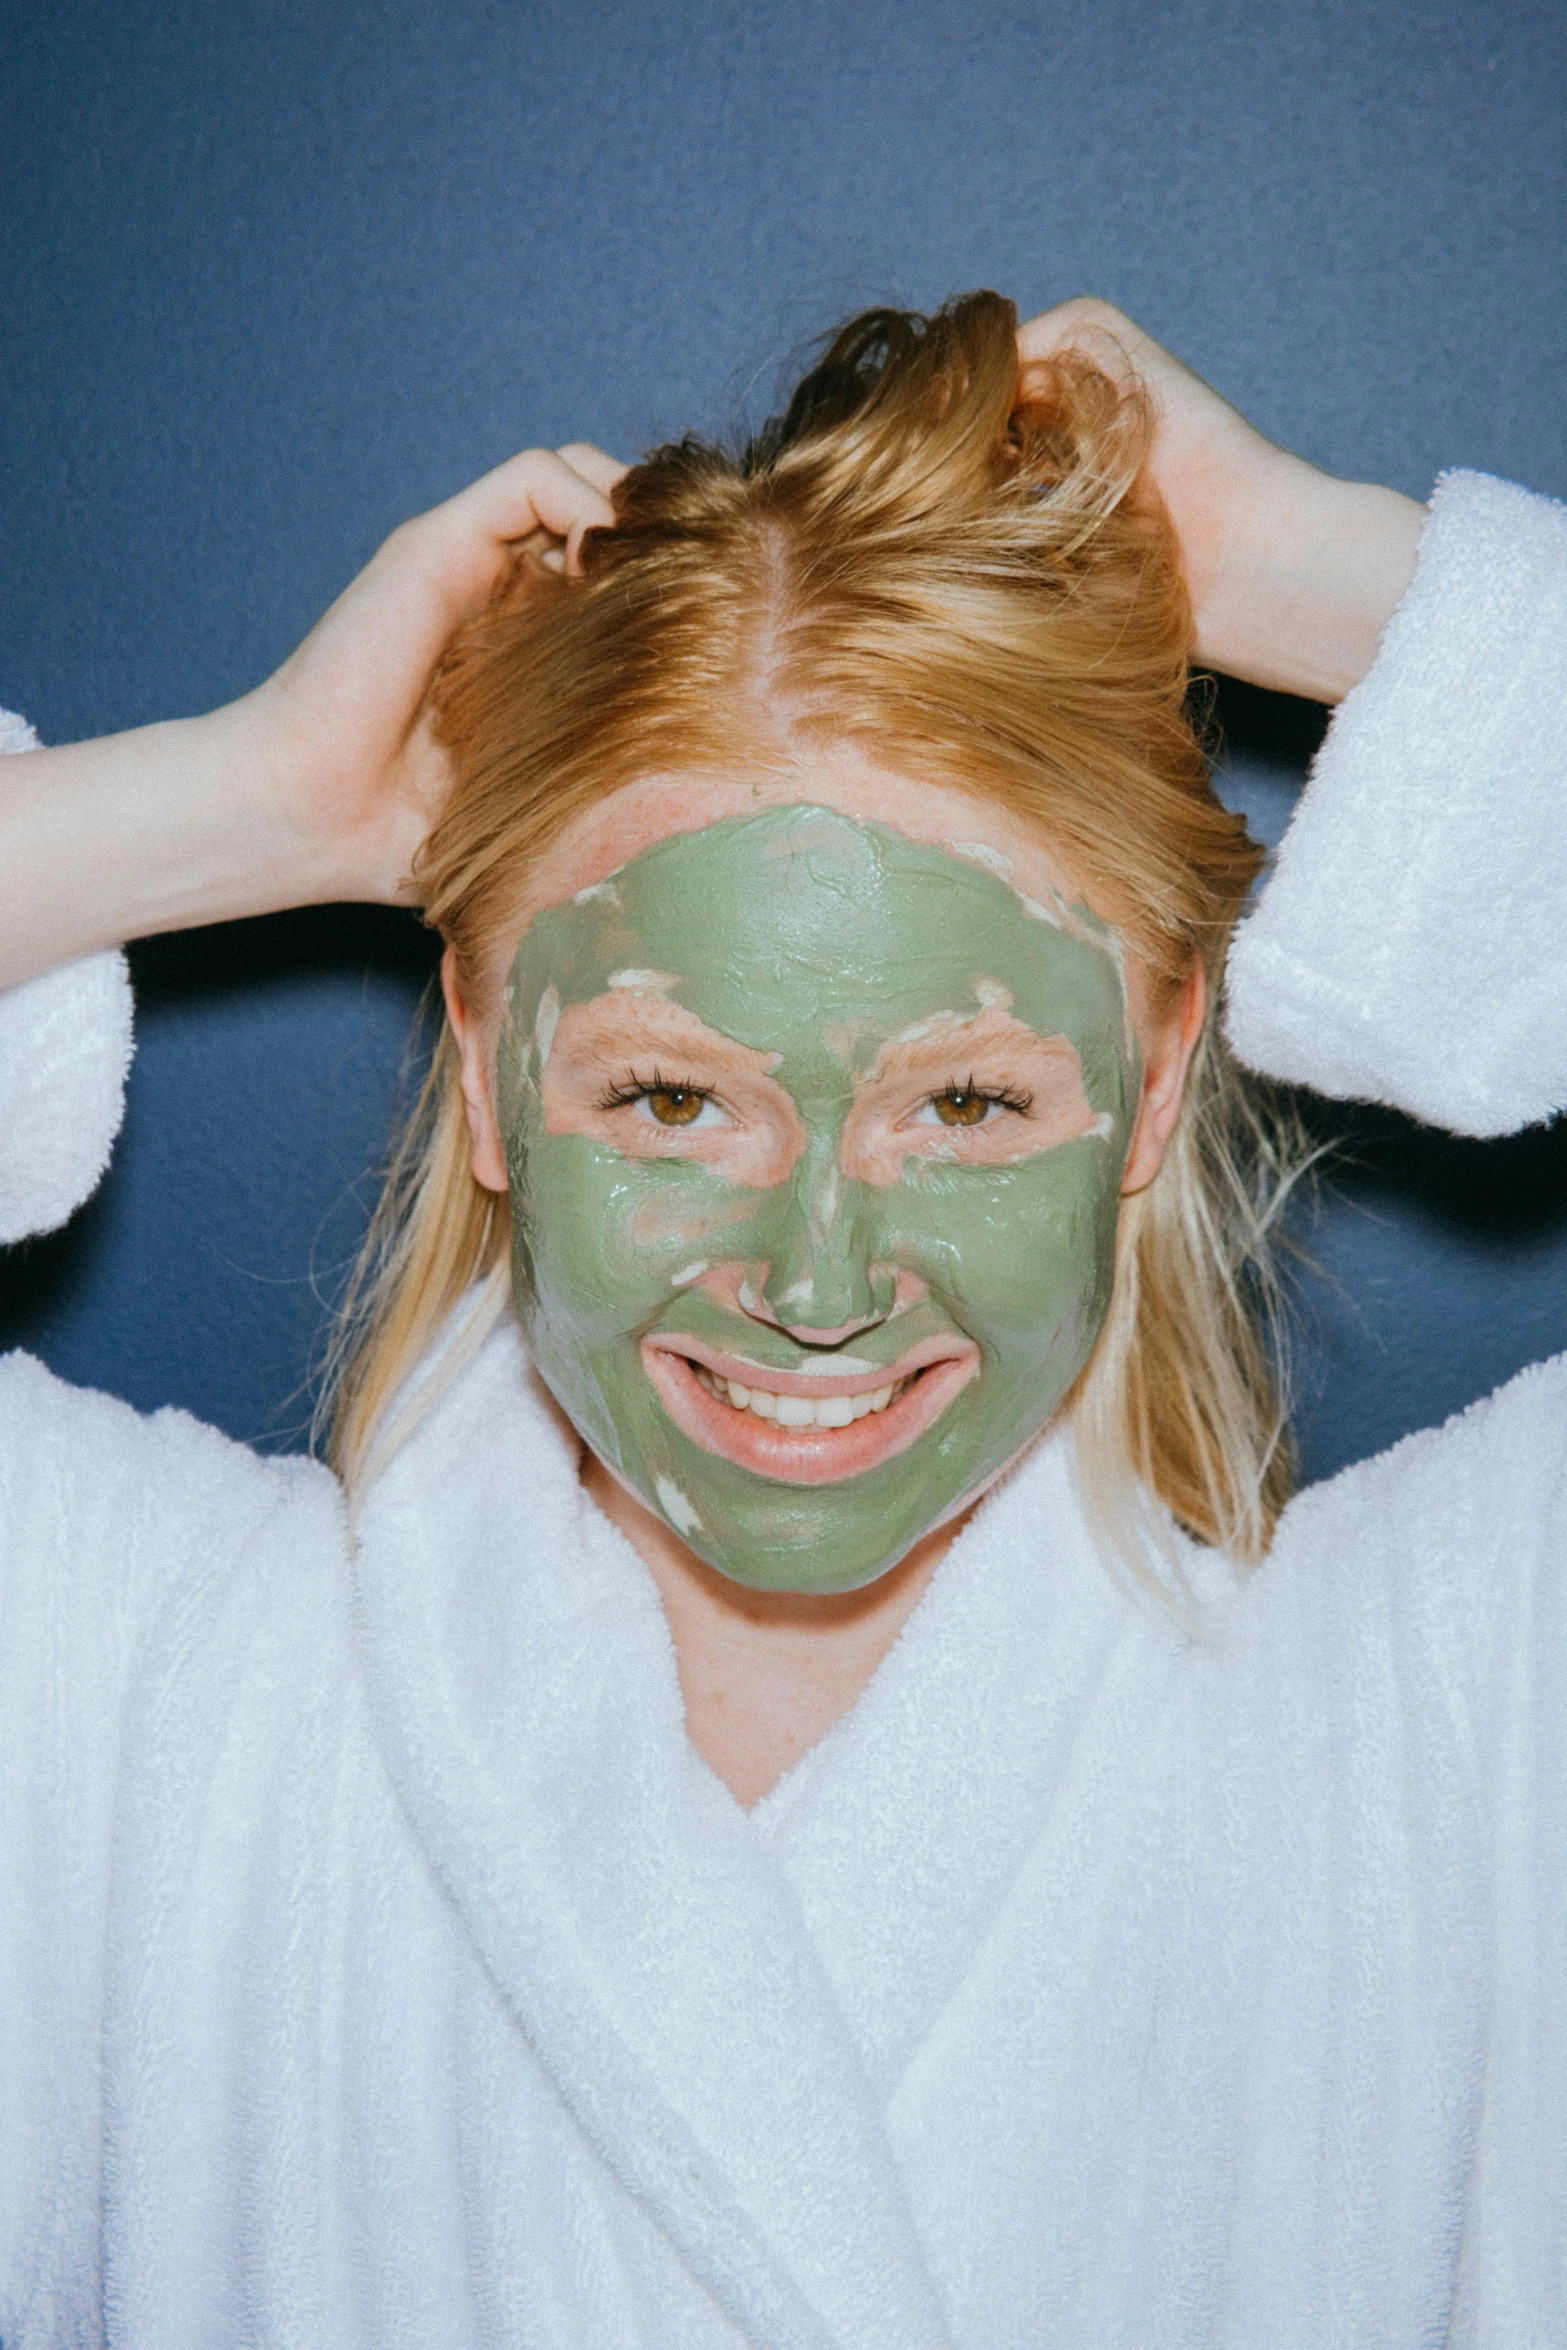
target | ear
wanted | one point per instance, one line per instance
(1168, 1056)
(489, 1158)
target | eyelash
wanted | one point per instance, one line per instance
(637, 1089)
(1005, 1097)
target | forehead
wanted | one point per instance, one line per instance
(840, 774)
(802, 915)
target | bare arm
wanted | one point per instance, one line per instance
(317, 786)
(1293, 573)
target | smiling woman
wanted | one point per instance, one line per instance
(698, 1851)
(872, 897)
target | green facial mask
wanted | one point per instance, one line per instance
(816, 1192)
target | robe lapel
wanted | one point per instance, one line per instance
(905, 1832)
(526, 1696)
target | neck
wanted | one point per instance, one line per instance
(764, 1674)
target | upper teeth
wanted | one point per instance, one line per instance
(800, 1411)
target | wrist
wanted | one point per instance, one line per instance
(200, 804)
(1311, 581)
(267, 780)
(344, 812)
(167, 827)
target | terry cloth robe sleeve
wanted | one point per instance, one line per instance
(1408, 948)
(65, 1046)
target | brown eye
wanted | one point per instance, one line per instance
(961, 1109)
(675, 1105)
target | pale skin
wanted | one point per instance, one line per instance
(319, 785)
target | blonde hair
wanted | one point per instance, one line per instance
(966, 573)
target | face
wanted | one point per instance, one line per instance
(815, 1136)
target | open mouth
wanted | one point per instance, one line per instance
(811, 1426)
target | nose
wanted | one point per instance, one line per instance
(823, 1281)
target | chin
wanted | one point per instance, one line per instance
(771, 1560)
(769, 1570)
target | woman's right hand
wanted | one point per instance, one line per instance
(320, 785)
(1293, 573)
(342, 726)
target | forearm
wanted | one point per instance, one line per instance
(1293, 574)
(1315, 570)
(163, 828)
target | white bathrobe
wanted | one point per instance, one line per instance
(379, 1964)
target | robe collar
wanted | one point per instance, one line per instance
(722, 2000)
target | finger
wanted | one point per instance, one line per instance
(458, 551)
(533, 491)
(1098, 329)
(595, 465)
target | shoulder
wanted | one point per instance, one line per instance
(86, 1442)
(152, 1571)
(1494, 1474)
(108, 1507)
(1439, 1561)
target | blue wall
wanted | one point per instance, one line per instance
(275, 275)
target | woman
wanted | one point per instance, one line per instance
(688, 1867)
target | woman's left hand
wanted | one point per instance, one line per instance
(1293, 573)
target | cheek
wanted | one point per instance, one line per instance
(606, 1237)
(685, 1210)
(1015, 1252)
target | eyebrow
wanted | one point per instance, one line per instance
(646, 1024)
(980, 1035)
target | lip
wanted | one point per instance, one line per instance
(806, 1456)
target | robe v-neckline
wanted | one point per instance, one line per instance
(722, 1998)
